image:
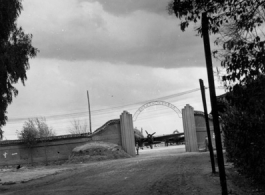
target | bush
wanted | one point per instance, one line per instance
(243, 124)
(28, 135)
(77, 127)
(32, 129)
(35, 128)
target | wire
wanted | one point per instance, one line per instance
(100, 111)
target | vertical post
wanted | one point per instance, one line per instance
(1, 134)
(89, 113)
(207, 50)
(127, 133)
(191, 143)
(207, 125)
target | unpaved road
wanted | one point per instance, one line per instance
(159, 171)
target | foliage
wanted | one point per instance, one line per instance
(34, 128)
(243, 127)
(28, 134)
(77, 127)
(43, 129)
(15, 51)
(238, 25)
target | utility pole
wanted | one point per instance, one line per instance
(208, 57)
(207, 125)
(89, 112)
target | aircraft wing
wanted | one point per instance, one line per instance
(169, 136)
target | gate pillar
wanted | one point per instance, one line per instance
(127, 133)
(189, 129)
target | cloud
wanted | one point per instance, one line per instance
(125, 7)
(59, 87)
(55, 85)
(84, 30)
(122, 54)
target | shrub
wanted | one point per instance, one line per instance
(33, 129)
(77, 127)
(28, 134)
(244, 128)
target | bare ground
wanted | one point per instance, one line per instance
(161, 171)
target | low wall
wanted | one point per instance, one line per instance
(109, 132)
(14, 152)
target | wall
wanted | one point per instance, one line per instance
(201, 131)
(109, 132)
(15, 152)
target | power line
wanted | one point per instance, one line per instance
(100, 111)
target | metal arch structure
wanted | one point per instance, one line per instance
(176, 131)
(154, 103)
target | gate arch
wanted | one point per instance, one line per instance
(153, 103)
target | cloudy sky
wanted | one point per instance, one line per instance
(124, 52)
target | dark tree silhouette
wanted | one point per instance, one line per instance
(15, 51)
(238, 24)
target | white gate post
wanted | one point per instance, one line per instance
(189, 129)
(127, 133)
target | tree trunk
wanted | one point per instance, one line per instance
(45, 149)
(31, 155)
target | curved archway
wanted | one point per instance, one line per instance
(153, 103)
(176, 131)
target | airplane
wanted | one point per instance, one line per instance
(150, 140)
(177, 138)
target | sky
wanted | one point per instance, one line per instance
(124, 53)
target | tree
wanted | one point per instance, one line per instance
(33, 129)
(238, 25)
(37, 127)
(28, 135)
(15, 52)
(78, 128)
(43, 129)
(243, 125)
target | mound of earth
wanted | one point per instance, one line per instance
(97, 151)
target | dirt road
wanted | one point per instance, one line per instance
(159, 171)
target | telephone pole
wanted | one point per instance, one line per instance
(207, 125)
(89, 112)
(209, 66)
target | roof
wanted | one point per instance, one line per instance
(114, 121)
(196, 112)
